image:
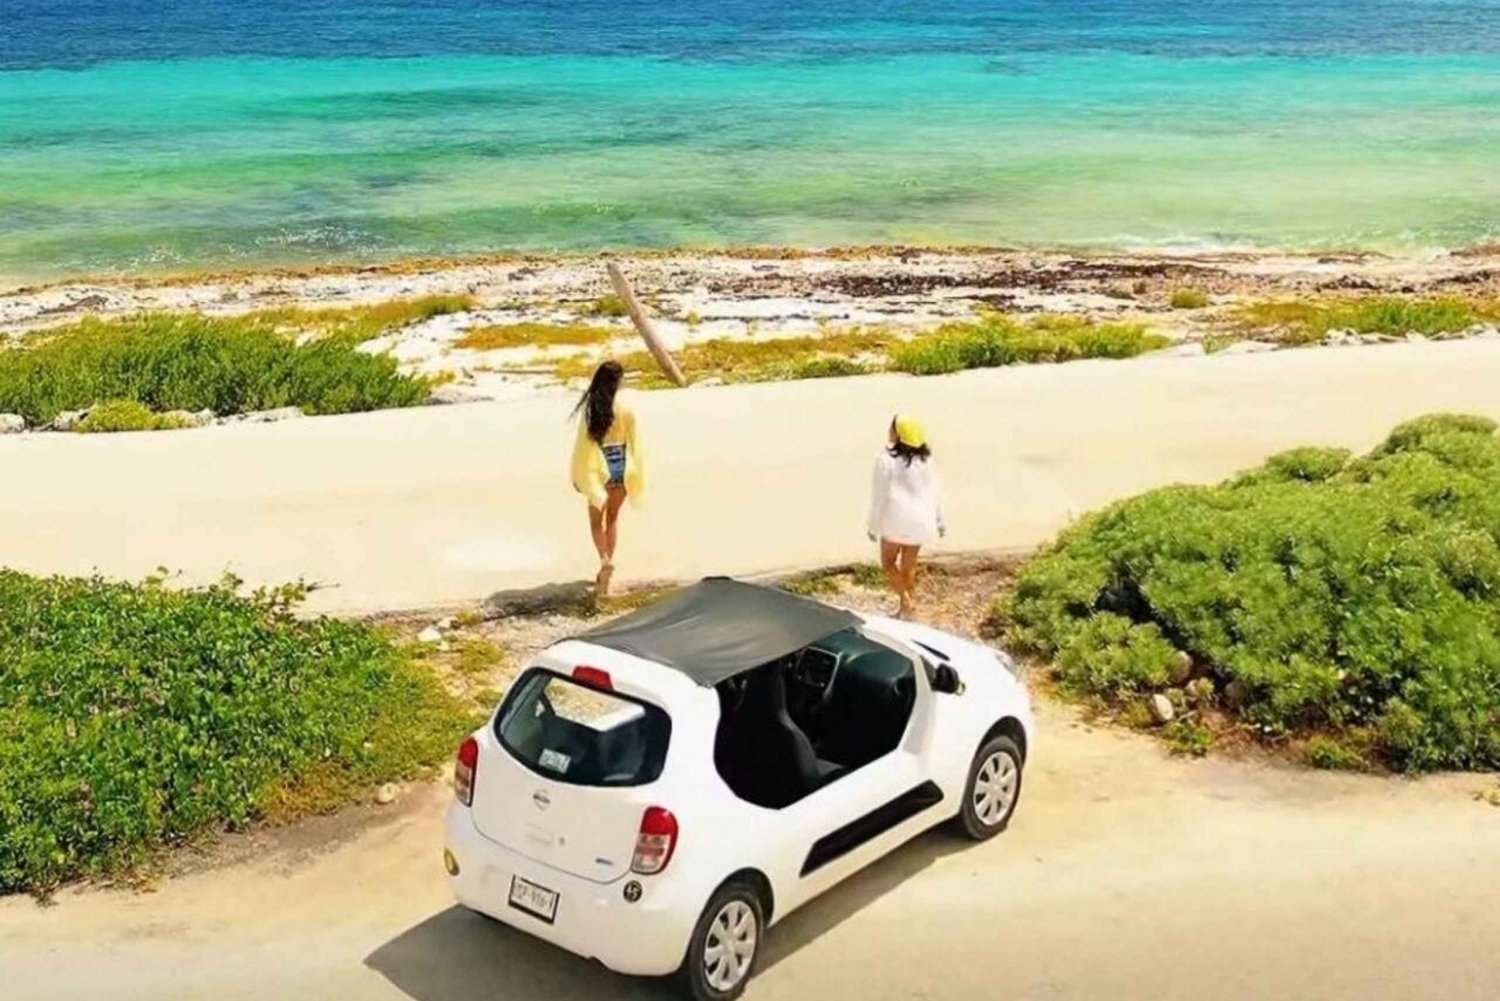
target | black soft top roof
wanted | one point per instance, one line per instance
(719, 628)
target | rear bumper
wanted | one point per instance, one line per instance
(646, 938)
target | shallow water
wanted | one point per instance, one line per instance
(151, 134)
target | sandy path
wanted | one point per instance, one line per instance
(443, 504)
(1127, 875)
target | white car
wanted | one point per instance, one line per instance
(656, 792)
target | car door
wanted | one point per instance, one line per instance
(862, 815)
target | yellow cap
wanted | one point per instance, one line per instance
(909, 432)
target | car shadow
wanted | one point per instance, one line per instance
(458, 955)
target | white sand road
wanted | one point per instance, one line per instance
(1127, 876)
(408, 509)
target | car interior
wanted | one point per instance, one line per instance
(794, 725)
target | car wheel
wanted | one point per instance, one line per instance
(726, 941)
(993, 789)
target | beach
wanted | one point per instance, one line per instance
(759, 295)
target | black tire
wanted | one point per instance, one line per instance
(970, 822)
(695, 975)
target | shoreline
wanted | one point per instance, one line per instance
(14, 285)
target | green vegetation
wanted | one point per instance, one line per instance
(1357, 598)
(996, 339)
(357, 324)
(1323, 751)
(606, 305)
(1188, 737)
(1300, 321)
(134, 716)
(520, 335)
(1189, 298)
(169, 361)
(126, 415)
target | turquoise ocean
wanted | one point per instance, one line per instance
(168, 135)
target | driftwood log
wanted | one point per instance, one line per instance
(643, 326)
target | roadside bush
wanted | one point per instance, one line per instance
(186, 362)
(996, 340)
(125, 415)
(133, 716)
(1326, 595)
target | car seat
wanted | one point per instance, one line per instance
(761, 752)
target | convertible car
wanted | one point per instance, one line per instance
(657, 792)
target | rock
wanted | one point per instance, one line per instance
(1236, 694)
(386, 794)
(1338, 338)
(445, 623)
(68, 420)
(1200, 692)
(190, 418)
(1182, 668)
(540, 600)
(1488, 330)
(452, 392)
(1248, 348)
(266, 416)
(1161, 708)
(1413, 337)
(12, 423)
(430, 635)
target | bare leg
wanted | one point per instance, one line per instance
(890, 562)
(909, 575)
(596, 529)
(610, 536)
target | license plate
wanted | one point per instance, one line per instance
(538, 901)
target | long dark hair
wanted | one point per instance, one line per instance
(906, 453)
(597, 405)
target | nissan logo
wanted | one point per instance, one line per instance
(541, 799)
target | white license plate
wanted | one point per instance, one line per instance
(538, 901)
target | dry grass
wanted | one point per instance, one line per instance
(1189, 298)
(842, 352)
(1305, 321)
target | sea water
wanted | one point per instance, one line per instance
(144, 135)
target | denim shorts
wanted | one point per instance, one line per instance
(614, 460)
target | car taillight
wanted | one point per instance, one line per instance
(655, 842)
(465, 770)
(594, 677)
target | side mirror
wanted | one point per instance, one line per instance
(946, 680)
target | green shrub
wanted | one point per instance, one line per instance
(1188, 737)
(1189, 298)
(133, 716)
(1329, 753)
(187, 362)
(826, 367)
(996, 340)
(1324, 595)
(125, 415)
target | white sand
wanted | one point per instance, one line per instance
(405, 509)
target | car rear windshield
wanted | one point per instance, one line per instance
(574, 733)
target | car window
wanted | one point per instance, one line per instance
(577, 734)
